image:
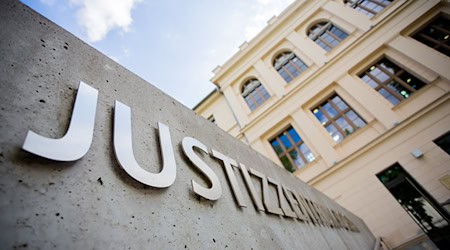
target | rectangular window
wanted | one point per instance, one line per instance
(291, 150)
(436, 34)
(338, 118)
(444, 142)
(392, 81)
(368, 7)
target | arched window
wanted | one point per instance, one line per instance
(254, 93)
(368, 7)
(289, 66)
(326, 35)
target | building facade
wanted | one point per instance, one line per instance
(353, 98)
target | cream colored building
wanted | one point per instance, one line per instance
(348, 94)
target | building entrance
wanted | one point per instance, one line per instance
(419, 204)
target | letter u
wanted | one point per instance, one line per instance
(123, 148)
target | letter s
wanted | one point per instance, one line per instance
(215, 191)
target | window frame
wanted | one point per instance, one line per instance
(440, 14)
(295, 147)
(340, 113)
(354, 4)
(288, 61)
(442, 137)
(392, 77)
(258, 90)
(325, 28)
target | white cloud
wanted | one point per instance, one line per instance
(98, 17)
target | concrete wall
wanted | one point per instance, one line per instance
(93, 203)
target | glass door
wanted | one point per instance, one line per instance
(419, 204)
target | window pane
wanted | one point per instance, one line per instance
(258, 98)
(285, 75)
(342, 123)
(338, 32)
(254, 94)
(310, 157)
(330, 110)
(299, 64)
(339, 103)
(323, 45)
(321, 34)
(398, 80)
(329, 39)
(436, 34)
(284, 64)
(379, 75)
(292, 70)
(405, 93)
(412, 81)
(287, 144)
(389, 66)
(287, 164)
(295, 137)
(369, 81)
(339, 127)
(320, 116)
(250, 102)
(335, 134)
(297, 155)
(276, 146)
(365, 12)
(296, 158)
(369, 7)
(303, 148)
(444, 142)
(389, 96)
(358, 122)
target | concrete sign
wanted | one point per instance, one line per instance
(92, 156)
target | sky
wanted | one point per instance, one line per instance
(173, 44)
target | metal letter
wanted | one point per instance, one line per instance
(313, 210)
(279, 193)
(305, 208)
(337, 219)
(78, 138)
(319, 213)
(215, 191)
(123, 148)
(265, 190)
(287, 210)
(330, 215)
(325, 214)
(350, 224)
(256, 200)
(294, 204)
(228, 164)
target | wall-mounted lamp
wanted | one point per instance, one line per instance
(417, 153)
